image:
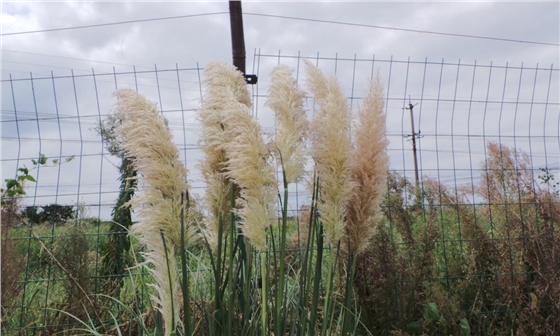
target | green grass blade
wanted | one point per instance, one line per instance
(173, 322)
(185, 282)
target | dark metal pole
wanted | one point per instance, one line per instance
(237, 37)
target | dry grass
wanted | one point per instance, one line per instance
(249, 166)
(12, 262)
(368, 170)
(494, 263)
(286, 100)
(159, 201)
(221, 85)
(331, 150)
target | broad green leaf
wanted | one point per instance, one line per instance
(10, 183)
(465, 327)
(24, 170)
(30, 178)
(431, 312)
(34, 162)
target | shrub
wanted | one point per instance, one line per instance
(491, 266)
(52, 213)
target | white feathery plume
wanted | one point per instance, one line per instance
(369, 169)
(221, 85)
(286, 100)
(234, 147)
(331, 150)
(250, 168)
(148, 142)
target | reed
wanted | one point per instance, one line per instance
(163, 178)
(286, 100)
(368, 170)
(331, 149)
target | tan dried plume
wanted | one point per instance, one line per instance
(369, 170)
(250, 168)
(286, 100)
(331, 150)
(243, 155)
(162, 179)
(221, 85)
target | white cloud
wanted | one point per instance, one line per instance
(187, 42)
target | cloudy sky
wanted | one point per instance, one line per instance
(512, 95)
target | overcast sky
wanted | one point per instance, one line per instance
(188, 44)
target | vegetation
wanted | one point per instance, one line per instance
(372, 254)
(52, 213)
(453, 266)
(115, 253)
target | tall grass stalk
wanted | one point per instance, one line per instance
(223, 86)
(368, 170)
(185, 277)
(368, 173)
(314, 226)
(249, 167)
(257, 285)
(286, 100)
(331, 150)
(148, 142)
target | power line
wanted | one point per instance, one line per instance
(72, 58)
(113, 23)
(403, 29)
(290, 18)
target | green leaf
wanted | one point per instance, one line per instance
(24, 170)
(55, 161)
(11, 193)
(10, 183)
(20, 191)
(68, 159)
(465, 327)
(42, 159)
(30, 178)
(414, 328)
(34, 162)
(431, 312)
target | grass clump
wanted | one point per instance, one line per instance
(257, 285)
(372, 253)
(482, 265)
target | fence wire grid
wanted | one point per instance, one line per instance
(459, 108)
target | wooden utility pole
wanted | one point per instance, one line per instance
(237, 37)
(413, 137)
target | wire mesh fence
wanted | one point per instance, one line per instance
(476, 234)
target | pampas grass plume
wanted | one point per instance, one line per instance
(163, 178)
(368, 171)
(331, 150)
(249, 167)
(222, 85)
(286, 100)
